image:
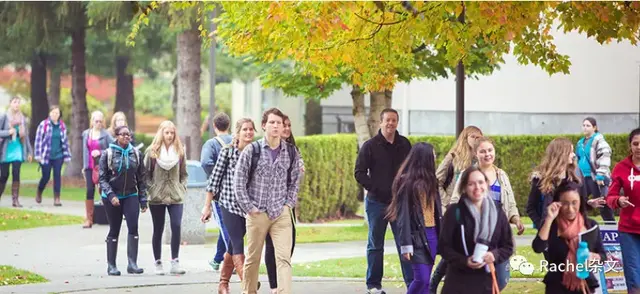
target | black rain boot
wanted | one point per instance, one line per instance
(112, 251)
(132, 254)
(2, 188)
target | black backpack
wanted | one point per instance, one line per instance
(255, 157)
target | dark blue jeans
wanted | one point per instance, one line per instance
(56, 164)
(630, 245)
(375, 246)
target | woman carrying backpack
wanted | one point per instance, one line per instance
(52, 150)
(221, 187)
(14, 149)
(167, 181)
(124, 193)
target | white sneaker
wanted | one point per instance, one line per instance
(375, 291)
(175, 268)
(159, 269)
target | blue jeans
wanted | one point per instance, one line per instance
(630, 245)
(375, 247)
(224, 234)
(56, 164)
(503, 274)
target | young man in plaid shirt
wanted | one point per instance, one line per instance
(267, 192)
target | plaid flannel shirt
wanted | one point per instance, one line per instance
(268, 191)
(221, 180)
(43, 142)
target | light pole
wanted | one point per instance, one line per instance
(460, 88)
(212, 73)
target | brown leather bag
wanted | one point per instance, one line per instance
(95, 173)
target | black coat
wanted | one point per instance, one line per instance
(121, 179)
(537, 202)
(451, 249)
(377, 164)
(555, 252)
(411, 229)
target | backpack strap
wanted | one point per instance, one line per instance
(292, 159)
(255, 157)
(110, 158)
(222, 143)
(458, 214)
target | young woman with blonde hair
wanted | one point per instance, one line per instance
(14, 149)
(459, 158)
(167, 183)
(558, 166)
(221, 185)
(95, 140)
(119, 119)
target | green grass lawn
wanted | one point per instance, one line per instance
(14, 219)
(13, 276)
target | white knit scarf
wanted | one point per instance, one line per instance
(168, 158)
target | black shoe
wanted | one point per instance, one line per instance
(112, 250)
(132, 254)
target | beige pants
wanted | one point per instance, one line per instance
(281, 231)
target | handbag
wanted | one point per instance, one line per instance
(95, 173)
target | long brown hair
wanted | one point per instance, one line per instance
(554, 166)
(462, 150)
(239, 124)
(158, 140)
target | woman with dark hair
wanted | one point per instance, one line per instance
(270, 253)
(558, 239)
(124, 193)
(624, 175)
(594, 158)
(15, 148)
(415, 207)
(51, 151)
(474, 227)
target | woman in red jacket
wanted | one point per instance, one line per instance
(623, 177)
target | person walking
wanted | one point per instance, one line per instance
(94, 141)
(415, 207)
(208, 158)
(376, 166)
(266, 183)
(270, 254)
(474, 221)
(566, 219)
(119, 119)
(166, 168)
(624, 194)
(594, 159)
(124, 193)
(459, 157)
(220, 188)
(51, 151)
(15, 148)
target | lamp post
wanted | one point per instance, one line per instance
(460, 88)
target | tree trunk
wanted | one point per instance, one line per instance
(313, 117)
(80, 117)
(174, 98)
(54, 83)
(39, 103)
(377, 103)
(388, 97)
(124, 91)
(360, 116)
(189, 108)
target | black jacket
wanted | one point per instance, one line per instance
(555, 252)
(538, 202)
(451, 249)
(377, 164)
(124, 175)
(410, 224)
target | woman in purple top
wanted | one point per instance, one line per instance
(94, 141)
(415, 207)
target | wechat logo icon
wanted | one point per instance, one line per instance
(520, 263)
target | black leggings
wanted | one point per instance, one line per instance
(594, 190)
(270, 256)
(236, 228)
(175, 217)
(91, 187)
(15, 171)
(129, 208)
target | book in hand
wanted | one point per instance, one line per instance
(591, 236)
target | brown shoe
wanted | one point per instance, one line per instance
(89, 206)
(39, 196)
(226, 270)
(15, 193)
(238, 264)
(56, 199)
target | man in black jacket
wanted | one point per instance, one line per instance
(378, 161)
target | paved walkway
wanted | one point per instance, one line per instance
(74, 259)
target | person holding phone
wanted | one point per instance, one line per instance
(124, 193)
(625, 180)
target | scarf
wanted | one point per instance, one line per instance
(485, 220)
(125, 154)
(17, 119)
(569, 230)
(168, 158)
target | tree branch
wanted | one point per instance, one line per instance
(379, 23)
